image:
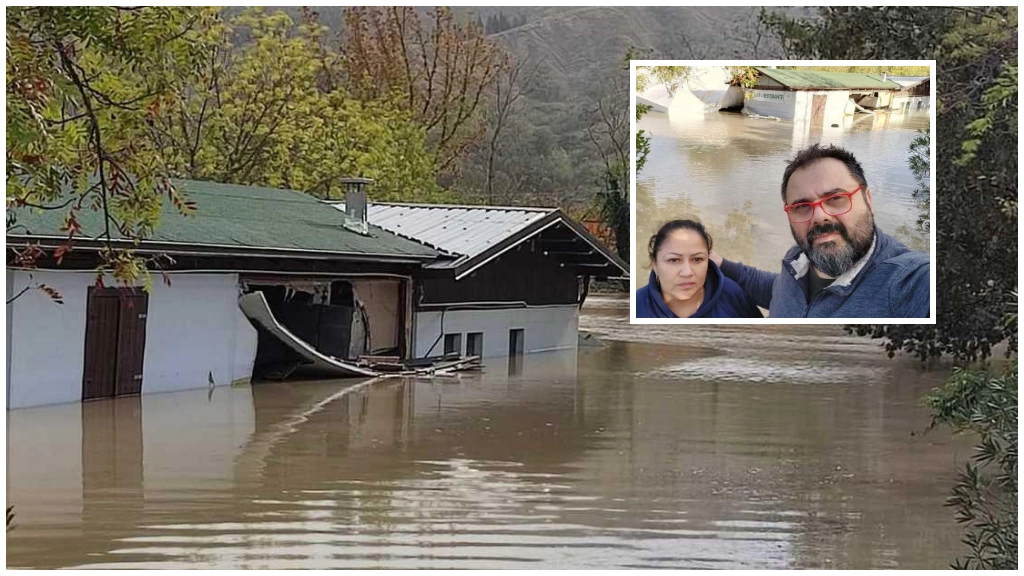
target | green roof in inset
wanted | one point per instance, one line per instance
(811, 80)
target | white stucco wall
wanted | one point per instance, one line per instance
(191, 331)
(797, 104)
(835, 104)
(777, 103)
(47, 342)
(914, 102)
(545, 328)
(193, 328)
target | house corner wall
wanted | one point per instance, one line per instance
(194, 329)
(46, 340)
(835, 105)
(546, 328)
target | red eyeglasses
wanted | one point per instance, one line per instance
(834, 205)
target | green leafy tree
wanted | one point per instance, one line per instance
(920, 167)
(643, 79)
(77, 108)
(266, 111)
(985, 495)
(976, 178)
(976, 228)
(744, 77)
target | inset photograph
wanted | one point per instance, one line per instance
(783, 192)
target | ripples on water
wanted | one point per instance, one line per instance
(654, 453)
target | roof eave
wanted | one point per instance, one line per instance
(181, 248)
(555, 217)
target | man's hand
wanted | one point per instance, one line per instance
(716, 258)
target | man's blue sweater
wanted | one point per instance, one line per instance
(891, 281)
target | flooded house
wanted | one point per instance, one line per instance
(271, 284)
(915, 93)
(322, 280)
(807, 94)
(507, 281)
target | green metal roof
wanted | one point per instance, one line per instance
(808, 79)
(242, 217)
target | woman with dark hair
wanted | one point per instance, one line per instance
(684, 282)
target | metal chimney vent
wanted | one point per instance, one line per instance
(356, 218)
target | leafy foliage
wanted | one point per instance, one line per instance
(744, 76)
(643, 74)
(890, 70)
(861, 33)
(264, 110)
(920, 166)
(104, 105)
(437, 68)
(976, 177)
(985, 495)
(613, 205)
(672, 77)
(643, 142)
(77, 107)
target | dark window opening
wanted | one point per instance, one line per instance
(515, 342)
(452, 344)
(475, 344)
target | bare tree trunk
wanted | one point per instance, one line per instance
(508, 90)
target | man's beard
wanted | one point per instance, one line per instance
(831, 258)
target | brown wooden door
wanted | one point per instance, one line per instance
(131, 342)
(115, 342)
(103, 310)
(818, 107)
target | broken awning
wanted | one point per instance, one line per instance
(255, 308)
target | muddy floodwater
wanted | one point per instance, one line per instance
(668, 447)
(726, 170)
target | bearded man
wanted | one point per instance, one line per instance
(842, 266)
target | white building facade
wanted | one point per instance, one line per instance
(194, 331)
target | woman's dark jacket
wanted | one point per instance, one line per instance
(723, 298)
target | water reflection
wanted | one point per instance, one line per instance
(635, 454)
(726, 169)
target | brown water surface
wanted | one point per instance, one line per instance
(668, 447)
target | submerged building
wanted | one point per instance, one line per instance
(915, 93)
(807, 94)
(507, 280)
(789, 94)
(266, 283)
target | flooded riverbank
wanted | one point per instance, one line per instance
(702, 447)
